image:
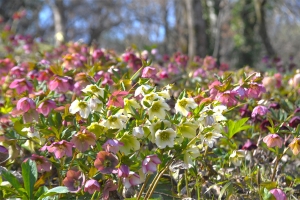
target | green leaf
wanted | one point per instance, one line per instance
(14, 182)
(224, 190)
(54, 191)
(30, 174)
(40, 192)
(236, 126)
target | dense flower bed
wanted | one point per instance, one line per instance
(82, 122)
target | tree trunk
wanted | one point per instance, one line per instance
(196, 28)
(260, 14)
(57, 8)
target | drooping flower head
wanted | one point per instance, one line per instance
(109, 186)
(165, 138)
(123, 171)
(82, 140)
(278, 194)
(106, 162)
(184, 105)
(131, 180)
(61, 148)
(81, 107)
(21, 85)
(42, 163)
(295, 146)
(259, 110)
(46, 106)
(158, 109)
(60, 84)
(74, 181)
(237, 157)
(273, 140)
(112, 145)
(150, 163)
(91, 186)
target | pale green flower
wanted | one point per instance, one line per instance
(184, 105)
(143, 89)
(190, 154)
(81, 107)
(96, 128)
(187, 129)
(159, 125)
(93, 89)
(95, 104)
(158, 109)
(130, 144)
(237, 157)
(149, 99)
(211, 137)
(129, 105)
(165, 94)
(116, 121)
(165, 138)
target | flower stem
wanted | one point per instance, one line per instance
(186, 183)
(277, 162)
(143, 187)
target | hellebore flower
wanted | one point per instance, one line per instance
(184, 105)
(123, 171)
(130, 144)
(237, 157)
(294, 122)
(138, 132)
(132, 180)
(94, 89)
(106, 162)
(26, 107)
(91, 186)
(187, 129)
(82, 140)
(130, 105)
(46, 106)
(112, 145)
(142, 90)
(61, 148)
(60, 84)
(165, 138)
(278, 194)
(81, 107)
(74, 181)
(149, 72)
(255, 90)
(158, 109)
(116, 121)
(295, 146)
(150, 163)
(190, 154)
(42, 164)
(117, 99)
(227, 98)
(25, 104)
(259, 110)
(273, 140)
(21, 85)
(249, 145)
(109, 186)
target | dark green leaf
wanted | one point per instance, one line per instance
(29, 173)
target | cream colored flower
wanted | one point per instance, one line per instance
(190, 154)
(237, 157)
(93, 89)
(165, 138)
(129, 105)
(149, 99)
(217, 115)
(184, 105)
(138, 132)
(159, 125)
(187, 129)
(81, 107)
(95, 104)
(143, 89)
(116, 121)
(130, 144)
(158, 109)
(165, 94)
(211, 137)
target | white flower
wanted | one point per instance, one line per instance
(81, 107)
(237, 157)
(165, 138)
(211, 137)
(129, 105)
(138, 132)
(158, 109)
(165, 94)
(191, 153)
(115, 122)
(187, 129)
(142, 90)
(218, 110)
(184, 105)
(93, 89)
(150, 98)
(30, 132)
(159, 125)
(95, 104)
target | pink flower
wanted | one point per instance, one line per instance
(123, 171)
(149, 72)
(278, 194)
(112, 145)
(106, 162)
(273, 140)
(255, 90)
(74, 181)
(227, 98)
(42, 164)
(83, 140)
(91, 186)
(21, 85)
(17, 71)
(117, 99)
(150, 163)
(60, 84)
(249, 145)
(209, 62)
(61, 148)
(259, 110)
(46, 106)
(25, 104)
(109, 186)
(3, 150)
(173, 69)
(132, 180)
(163, 74)
(240, 91)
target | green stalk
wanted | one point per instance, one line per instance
(143, 186)
(186, 183)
